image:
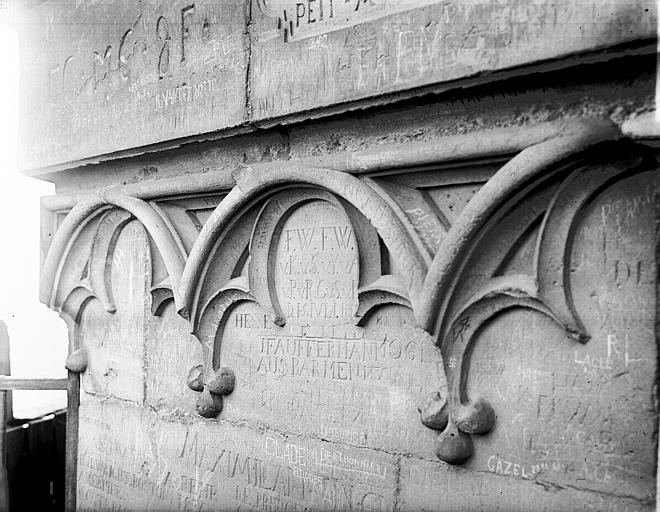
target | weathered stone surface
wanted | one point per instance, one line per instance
(132, 459)
(171, 351)
(312, 53)
(569, 413)
(115, 343)
(432, 486)
(356, 385)
(98, 77)
(159, 71)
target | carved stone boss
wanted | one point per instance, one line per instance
(207, 270)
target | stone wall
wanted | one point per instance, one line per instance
(534, 369)
(443, 299)
(101, 77)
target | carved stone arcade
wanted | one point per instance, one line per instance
(384, 304)
(350, 255)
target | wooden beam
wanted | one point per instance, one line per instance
(13, 383)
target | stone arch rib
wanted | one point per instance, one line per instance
(165, 239)
(252, 185)
(521, 171)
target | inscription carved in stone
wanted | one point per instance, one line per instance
(320, 374)
(300, 20)
(190, 467)
(112, 77)
(360, 385)
(535, 388)
(115, 343)
(564, 365)
(316, 267)
(98, 79)
(302, 59)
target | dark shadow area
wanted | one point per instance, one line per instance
(35, 463)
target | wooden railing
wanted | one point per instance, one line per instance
(9, 384)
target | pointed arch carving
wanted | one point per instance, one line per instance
(213, 282)
(554, 181)
(89, 233)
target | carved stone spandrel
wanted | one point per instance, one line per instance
(360, 202)
(569, 410)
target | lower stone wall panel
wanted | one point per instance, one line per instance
(133, 458)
